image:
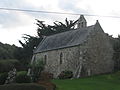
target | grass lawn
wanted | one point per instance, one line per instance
(101, 82)
(24, 86)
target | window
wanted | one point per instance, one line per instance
(61, 58)
(45, 59)
(82, 24)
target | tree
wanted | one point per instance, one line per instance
(7, 51)
(7, 65)
(58, 27)
(31, 42)
(25, 53)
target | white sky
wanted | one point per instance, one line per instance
(14, 24)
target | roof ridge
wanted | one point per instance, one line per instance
(39, 44)
(63, 39)
(70, 30)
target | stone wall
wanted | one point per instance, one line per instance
(99, 52)
(70, 59)
(94, 56)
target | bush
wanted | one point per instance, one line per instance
(48, 85)
(46, 76)
(65, 75)
(7, 65)
(3, 77)
(36, 69)
(22, 77)
(25, 86)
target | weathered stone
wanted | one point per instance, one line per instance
(11, 76)
(93, 55)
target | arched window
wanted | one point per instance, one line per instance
(45, 59)
(61, 58)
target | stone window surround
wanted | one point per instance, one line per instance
(45, 59)
(61, 58)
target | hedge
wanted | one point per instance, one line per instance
(31, 86)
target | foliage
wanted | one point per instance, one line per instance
(45, 80)
(25, 53)
(37, 67)
(3, 77)
(45, 76)
(7, 51)
(25, 86)
(100, 82)
(48, 85)
(58, 27)
(22, 77)
(31, 42)
(65, 74)
(7, 65)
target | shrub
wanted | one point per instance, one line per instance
(3, 77)
(36, 69)
(65, 74)
(46, 76)
(48, 85)
(7, 65)
(22, 77)
(24, 86)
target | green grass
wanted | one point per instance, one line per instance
(101, 82)
(24, 86)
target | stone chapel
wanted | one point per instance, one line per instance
(85, 51)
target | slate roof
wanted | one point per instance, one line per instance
(64, 39)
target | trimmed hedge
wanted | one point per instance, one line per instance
(7, 65)
(3, 77)
(22, 77)
(30, 86)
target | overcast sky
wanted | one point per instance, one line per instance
(14, 24)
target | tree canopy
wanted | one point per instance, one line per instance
(31, 42)
(7, 51)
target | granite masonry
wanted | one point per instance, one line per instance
(85, 51)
